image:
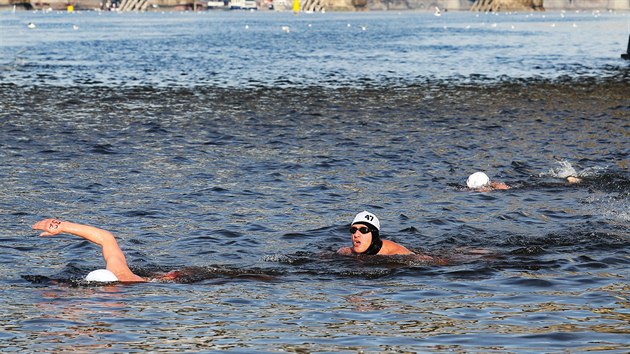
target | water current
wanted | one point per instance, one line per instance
(238, 146)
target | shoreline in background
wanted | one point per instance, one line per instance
(329, 5)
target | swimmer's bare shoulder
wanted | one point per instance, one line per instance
(391, 248)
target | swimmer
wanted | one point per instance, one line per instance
(117, 269)
(365, 231)
(480, 182)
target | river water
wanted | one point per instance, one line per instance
(238, 146)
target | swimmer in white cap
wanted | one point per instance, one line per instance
(365, 230)
(117, 269)
(480, 182)
(101, 275)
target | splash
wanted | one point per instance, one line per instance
(591, 171)
(563, 171)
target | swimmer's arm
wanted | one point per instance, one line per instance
(113, 255)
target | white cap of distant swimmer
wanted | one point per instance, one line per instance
(477, 180)
(101, 275)
(365, 217)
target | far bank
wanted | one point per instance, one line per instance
(311, 5)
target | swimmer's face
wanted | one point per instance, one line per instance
(360, 241)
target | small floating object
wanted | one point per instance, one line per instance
(437, 11)
(246, 26)
(364, 28)
(349, 25)
(286, 29)
(31, 25)
(296, 6)
(75, 27)
(626, 55)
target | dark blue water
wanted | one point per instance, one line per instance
(252, 49)
(220, 145)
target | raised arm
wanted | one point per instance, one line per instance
(113, 255)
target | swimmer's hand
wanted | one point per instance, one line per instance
(172, 275)
(573, 180)
(422, 257)
(345, 251)
(49, 226)
(429, 259)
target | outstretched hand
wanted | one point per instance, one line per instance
(49, 226)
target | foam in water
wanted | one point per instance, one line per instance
(563, 171)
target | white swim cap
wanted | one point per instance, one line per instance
(101, 275)
(366, 217)
(477, 180)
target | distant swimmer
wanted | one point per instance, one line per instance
(365, 230)
(480, 182)
(116, 264)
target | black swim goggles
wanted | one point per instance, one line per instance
(363, 229)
